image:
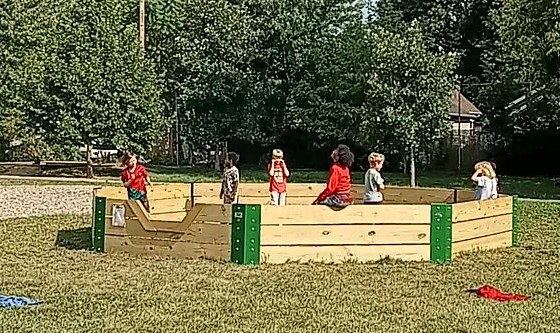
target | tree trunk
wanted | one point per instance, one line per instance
(89, 166)
(405, 165)
(217, 157)
(412, 168)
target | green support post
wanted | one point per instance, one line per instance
(515, 221)
(440, 233)
(99, 224)
(246, 234)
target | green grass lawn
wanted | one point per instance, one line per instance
(47, 258)
(529, 187)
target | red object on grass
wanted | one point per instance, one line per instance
(490, 292)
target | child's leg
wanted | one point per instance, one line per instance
(145, 203)
(274, 198)
(282, 199)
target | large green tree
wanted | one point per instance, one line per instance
(525, 60)
(382, 89)
(83, 79)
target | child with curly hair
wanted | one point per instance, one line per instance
(337, 193)
(230, 183)
(373, 182)
(492, 166)
(485, 179)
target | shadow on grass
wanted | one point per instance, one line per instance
(76, 239)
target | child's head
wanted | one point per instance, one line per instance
(343, 155)
(231, 159)
(376, 161)
(492, 165)
(487, 170)
(129, 160)
(277, 154)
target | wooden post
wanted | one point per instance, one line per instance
(141, 24)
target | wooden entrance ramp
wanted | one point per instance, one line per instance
(189, 221)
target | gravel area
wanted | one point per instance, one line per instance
(30, 200)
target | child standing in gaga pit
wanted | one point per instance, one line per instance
(230, 184)
(279, 173)
(337, 193)
(485, 179)
(492, 166)
(373, 182)
(135, 177)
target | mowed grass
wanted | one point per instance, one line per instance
(526, 187)
(47, 258)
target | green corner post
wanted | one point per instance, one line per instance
(440, 233)
(245, 234)
(99, 224)
(515, 221)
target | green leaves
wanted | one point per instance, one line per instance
(80, 77)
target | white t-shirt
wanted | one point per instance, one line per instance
(485, 188)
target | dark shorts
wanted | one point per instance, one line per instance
(141, 196)
(337, 200)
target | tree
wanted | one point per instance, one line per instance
(450, 26)
(202, 50)
(525, 60)
(384, 90)
(90, 82)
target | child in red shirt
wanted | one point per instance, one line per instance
(337, 193)
(134, 177)
(278, 172)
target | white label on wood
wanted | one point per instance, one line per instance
(118, 216)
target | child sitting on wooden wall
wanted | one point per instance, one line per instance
(337, 193)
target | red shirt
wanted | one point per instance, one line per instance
(338, 183)
(139, 181)
(278, 180)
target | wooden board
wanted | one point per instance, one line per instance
(479, 209)
(338, 254)
(501, 240)
(472, 229)
(259, 190)
(167, 191)
(345, 234)
(354, 214)
(164, 206)
(465, 195)
(179, 250)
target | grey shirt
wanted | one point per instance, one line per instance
(372, 180)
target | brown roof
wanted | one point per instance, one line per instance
(467, 109)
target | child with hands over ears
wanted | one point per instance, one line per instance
(279, 173)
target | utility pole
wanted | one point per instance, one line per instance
(142, 24)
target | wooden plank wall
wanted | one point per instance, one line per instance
(168, 201)
(355, 233)
(203, 232)
(305, 193)
(482, 224)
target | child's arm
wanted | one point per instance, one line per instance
(125, 180)
(475, 175)
(285, 168)
(331, 186)
(270, 169)
(380, 182)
